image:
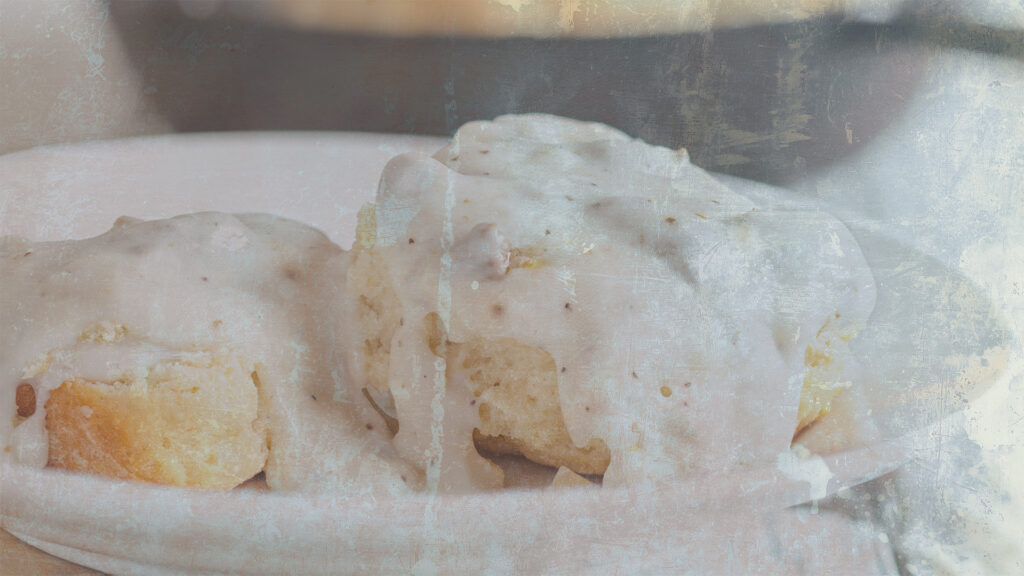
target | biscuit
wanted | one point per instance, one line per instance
(192, 421)
(611, 307)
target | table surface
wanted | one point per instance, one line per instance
(18, 558)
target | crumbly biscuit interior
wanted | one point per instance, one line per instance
(191, 421)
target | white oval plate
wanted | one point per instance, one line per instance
(322, 179)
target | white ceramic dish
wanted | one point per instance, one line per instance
(322, 179)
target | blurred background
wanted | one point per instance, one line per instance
(769, 91)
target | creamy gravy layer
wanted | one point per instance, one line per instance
(145, 292)
(678, 311)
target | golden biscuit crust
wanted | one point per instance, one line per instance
(185, 423)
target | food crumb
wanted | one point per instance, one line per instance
(666, 391)
(25, 398)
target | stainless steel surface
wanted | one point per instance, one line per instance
(769, 103)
